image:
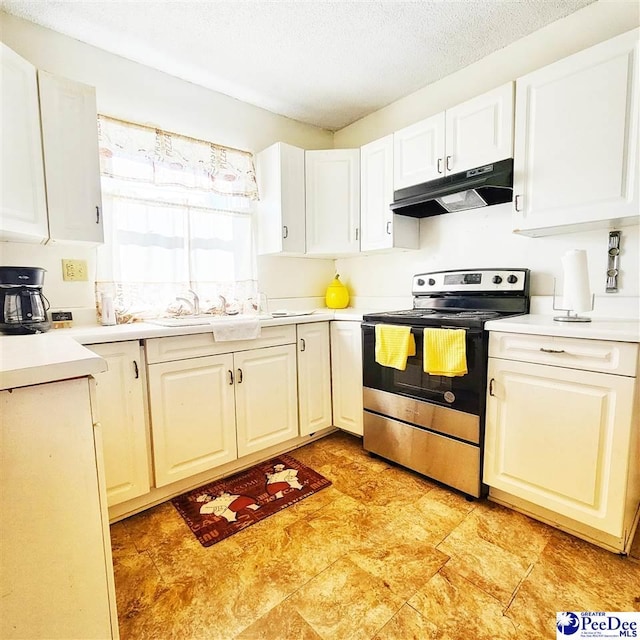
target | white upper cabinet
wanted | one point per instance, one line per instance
(418, 152)
(333, 201)
(281, 208)
(23, 207)
(380, 228)
(71, 161)
(64, 157)
(480, 131)
(476, 132)
(576, 143)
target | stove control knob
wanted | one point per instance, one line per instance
(431, 282)
(420, 282)
(512, 279)
(497, 280)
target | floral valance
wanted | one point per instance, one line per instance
(134, 152)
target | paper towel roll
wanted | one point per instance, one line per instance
(576, 292)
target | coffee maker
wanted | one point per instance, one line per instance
(23, 307)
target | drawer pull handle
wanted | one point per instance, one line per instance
(303, 345)
(230, 376)
(491, 387)
(552, 350)
(136, 370)
(239, 376)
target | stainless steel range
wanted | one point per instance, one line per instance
(434, 424)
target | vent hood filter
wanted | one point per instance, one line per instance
(479, 187)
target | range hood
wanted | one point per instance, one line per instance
(471, 189)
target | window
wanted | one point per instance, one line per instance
(177, 216)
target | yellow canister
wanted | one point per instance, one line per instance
(337, 296)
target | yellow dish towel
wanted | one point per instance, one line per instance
(394, 344)
(445, 352)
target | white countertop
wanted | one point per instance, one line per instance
(59, 354)
(624, 330)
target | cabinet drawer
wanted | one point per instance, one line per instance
(202, 344)
(603, 356)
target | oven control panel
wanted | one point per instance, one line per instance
(471, 281)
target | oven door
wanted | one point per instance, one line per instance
(463, 393)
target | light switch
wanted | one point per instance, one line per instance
(74, 270)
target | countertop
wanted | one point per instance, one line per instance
(623, 330)
(59, 354)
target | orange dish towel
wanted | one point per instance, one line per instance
(394, 344)
(445, 352)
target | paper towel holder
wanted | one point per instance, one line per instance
(571, 316)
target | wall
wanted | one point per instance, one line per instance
(132, 91)
(482, 237)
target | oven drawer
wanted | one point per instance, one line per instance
(452, 462)
(447, 421)
(602, 356)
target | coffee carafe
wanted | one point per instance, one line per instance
(23, 306)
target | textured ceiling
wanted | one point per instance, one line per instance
(327, 63)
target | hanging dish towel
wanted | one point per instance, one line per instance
(445, 352)
(236, 329)
(394, 344)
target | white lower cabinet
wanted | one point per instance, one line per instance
(121, 406)
(314, 377)
(207, 410)
(346, 375)
(192, 416)
(266, 397)
(560, 437)
(56, 568)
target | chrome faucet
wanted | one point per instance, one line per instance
(196, 302)
(193, 304)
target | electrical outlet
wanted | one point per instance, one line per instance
(74, 270)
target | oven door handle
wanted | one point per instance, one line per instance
(416, 329)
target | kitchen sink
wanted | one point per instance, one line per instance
(193, 321)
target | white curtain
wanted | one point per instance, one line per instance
(177, 216)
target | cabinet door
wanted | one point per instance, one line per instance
(72, 169)
(346, 375)
(23, 208)
(314, 377)
(480, 130)
(281, 208)
(192, 416)
(266, 397)
(333, 201)
(381, 229)
(576, 141)
(418, 152)
(56, 558)
(121, 406)
(559, 438)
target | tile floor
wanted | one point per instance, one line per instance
(383, 553)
